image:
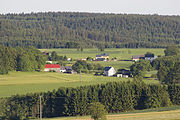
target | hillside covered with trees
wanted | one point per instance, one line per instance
(73, 30)
(21, 59)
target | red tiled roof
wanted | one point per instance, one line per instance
(52, 66)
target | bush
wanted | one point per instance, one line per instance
(154, 76)
(3, 71)
(97, 111)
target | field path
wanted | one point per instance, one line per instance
(166, 115)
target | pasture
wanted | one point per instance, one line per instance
(31, 82)
(120, 54)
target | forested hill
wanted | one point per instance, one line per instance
(71, 30)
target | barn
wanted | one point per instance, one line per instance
(52, 67)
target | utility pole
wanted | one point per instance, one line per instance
(40, 109)
(80, 76)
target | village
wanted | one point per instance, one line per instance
(110, 71)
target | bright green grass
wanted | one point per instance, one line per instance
(148, 74)
(121, 54)
(31, 82)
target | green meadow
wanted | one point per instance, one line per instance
(31, 82)
(121, 54)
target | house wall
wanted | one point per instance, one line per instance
(135, 59)
(52, 69)
(111, 72)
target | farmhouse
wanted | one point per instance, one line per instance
(109, 71)
(69, 70)
(102, 57)
(52, 67)
(137, 57)
(123, 73)
(150, 57)
(69, 59)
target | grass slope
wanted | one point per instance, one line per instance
(121, 54)
(30, 82)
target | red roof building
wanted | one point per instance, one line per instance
(52, 67)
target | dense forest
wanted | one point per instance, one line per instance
(21, 59)
(73, 30)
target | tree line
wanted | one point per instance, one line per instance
(168, 66)
(21, 59)
(115, 96)
(74, 30)
(84, 67)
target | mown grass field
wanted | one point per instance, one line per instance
(169, 113)
(30, 82)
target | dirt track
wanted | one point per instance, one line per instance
(166, 115)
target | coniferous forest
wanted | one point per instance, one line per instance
(72, 30)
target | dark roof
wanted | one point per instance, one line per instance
(98, 55)
(124, 72)
(104, 54)
(107, 68)
(101, 59)
(149, 55)
(67, 67)
(137, 56)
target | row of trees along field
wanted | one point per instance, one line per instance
(115, 96)
(20, 59)
(74, 30)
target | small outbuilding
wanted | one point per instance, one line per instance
(123, 73)
(137, 57)
(102, 57)
(69, 70)
(150, 57)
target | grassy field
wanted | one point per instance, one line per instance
(170, 113)
(116, 64)
(30, 82)
(121, 54)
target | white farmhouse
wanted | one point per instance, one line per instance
(109, 71)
